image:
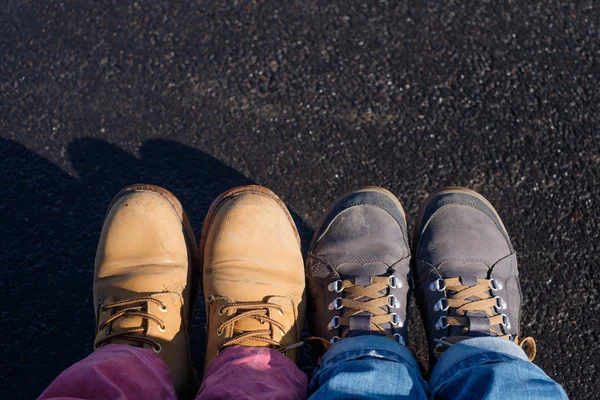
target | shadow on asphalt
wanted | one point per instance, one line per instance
(51, 223)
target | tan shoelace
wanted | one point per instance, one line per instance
(379, 299)
(371, 299)
(257, 311)
(483, 301)
(132, 308)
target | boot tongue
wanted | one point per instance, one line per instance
(250, 324)
(361, 274)
(469, 272)
(128, 322)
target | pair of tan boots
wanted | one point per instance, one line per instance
(149, 267)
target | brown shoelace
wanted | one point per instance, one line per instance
(258, 311)
(132, 308)
(376, 292)
(371, 299)
(480, 300)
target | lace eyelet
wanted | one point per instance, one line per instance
(334, 339)
(396, 321)
(399, 339)
(438, 344)
(441, 323)
(505, 321)
(162, 328)
(220, 332)
(394, 282)
(495, 285)
(157, 348)
(500, 303)
(282, 333)
(335, 286)
(220, 311)
(439, 285)
(280, 312)
(336, 304)
(393, 301)
(163, 307)
(334, 323)
(440, 306)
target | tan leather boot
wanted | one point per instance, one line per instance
(145, 282)
(253, 273)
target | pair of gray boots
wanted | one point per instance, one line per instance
(463, 269)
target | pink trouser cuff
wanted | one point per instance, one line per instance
(116, 371)
(253, 373)
(123, 372)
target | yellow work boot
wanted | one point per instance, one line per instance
(145, 279)
(253, 274)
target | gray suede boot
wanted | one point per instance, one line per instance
(465, 268)
(358, 268)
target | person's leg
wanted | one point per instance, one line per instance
(253, 278)
(368, 367)
(253, 373)
(145, 285)
(358, 273)
(116, 371)
(490, 368)
(467, 286)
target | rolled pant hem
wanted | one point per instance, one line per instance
(253, 372)
(240, 352)
(375, 346)
(492, 348)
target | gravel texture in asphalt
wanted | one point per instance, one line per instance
(310, 98)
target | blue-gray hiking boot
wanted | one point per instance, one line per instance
(465, 270)
(358, 268)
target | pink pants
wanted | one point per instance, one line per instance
(126, 372)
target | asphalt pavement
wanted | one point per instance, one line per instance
(309, 98)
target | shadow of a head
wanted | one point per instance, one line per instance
(195, 177)
(51, 223)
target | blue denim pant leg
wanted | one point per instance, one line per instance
(368, 367)
(490, 368)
